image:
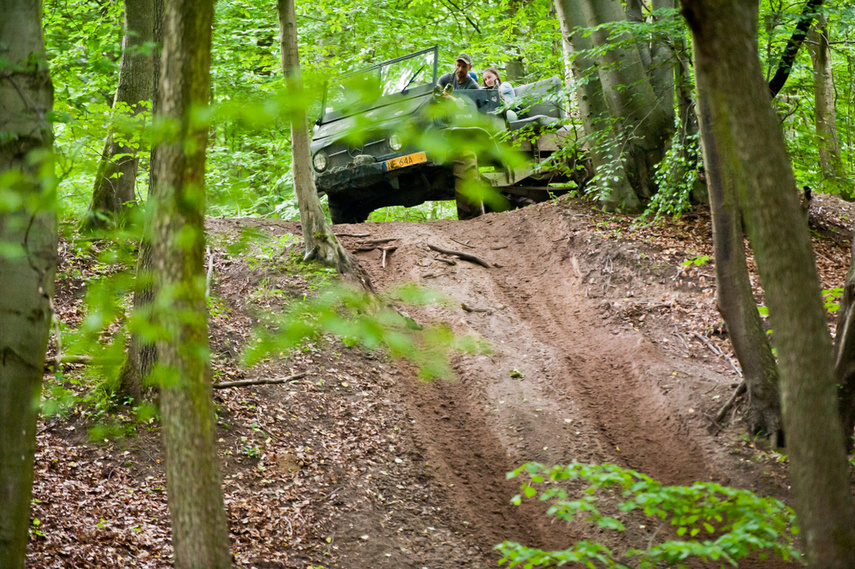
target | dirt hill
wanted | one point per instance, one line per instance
(605, 348)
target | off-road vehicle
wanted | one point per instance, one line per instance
(386, 137)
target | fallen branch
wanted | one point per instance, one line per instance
(245, 382)
(726, 407)
(380, 241)
(352, 234)
(460, 255)
(718, 352)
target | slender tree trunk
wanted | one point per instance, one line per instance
(788, 57)
(115, 180)
(596, 119)
(28, 234)
(831, 166)
(735, 296)
(199, 532)
(142, 354)
(844, 356)
(320, 242)
(748, 136)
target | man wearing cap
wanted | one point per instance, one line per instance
(460, 79)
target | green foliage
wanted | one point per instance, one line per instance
(696, 260)
(83, 42)
(831, 298)
(357, 317)
(675, 177)
(717, 523)
(430, 211)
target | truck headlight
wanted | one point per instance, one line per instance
(395, 142)
(320, 161)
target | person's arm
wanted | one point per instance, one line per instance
(506, 90)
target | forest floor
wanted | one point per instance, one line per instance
(606, 347)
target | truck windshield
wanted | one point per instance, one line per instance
(353, 91)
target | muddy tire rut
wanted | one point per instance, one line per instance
(563, 382)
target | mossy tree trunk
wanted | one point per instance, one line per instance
(115, 180)
(176, 232)
(320, 242)
(749, 140)
(28, 241)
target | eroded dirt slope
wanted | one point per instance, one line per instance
(604, 349)
(568, 380)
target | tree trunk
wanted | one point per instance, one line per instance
(844, 356)
(788, 57)
(664, 67)
(515, 67)
(635, 13)
(176, 230)
(833, 174)
(320, 242)
(142, 353)
(630, 98)
(748, 137)
(115, 180)
(596, 121)
(735, 297)
(28, 234)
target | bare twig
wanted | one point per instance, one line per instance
(352, 234)
(245, 382)
(379, 241)
(461, 255)
(446, 261)
(718, 352)
(461, 243)
(726, 407)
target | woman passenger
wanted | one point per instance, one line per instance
(492, 81)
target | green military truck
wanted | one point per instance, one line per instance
(389, 136)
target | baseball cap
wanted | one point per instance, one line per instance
(464, 57)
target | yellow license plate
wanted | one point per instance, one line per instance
(402, 161)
